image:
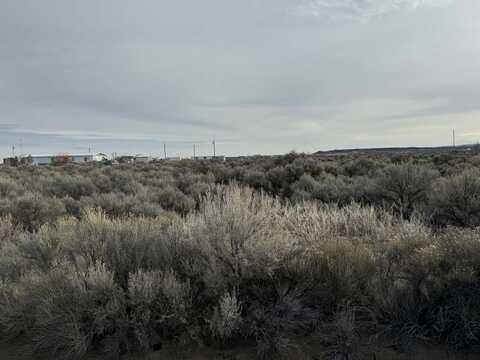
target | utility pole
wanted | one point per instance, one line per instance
(454, 140)
(214, 153)
(13, 150)
(165, 151)
(194, 154)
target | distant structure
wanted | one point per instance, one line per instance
(129, 159)
(99, 157)
(142, 158)
(125, 159)
(62, 159)
(207, 157)
(65, 159)
(10, 161)
(216, 157)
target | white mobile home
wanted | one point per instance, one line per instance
(41, 159)
(81, 158)
(64, 159)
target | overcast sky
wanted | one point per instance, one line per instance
(259, 76)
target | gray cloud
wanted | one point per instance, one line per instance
(261, 75)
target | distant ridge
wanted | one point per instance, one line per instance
(399, 150)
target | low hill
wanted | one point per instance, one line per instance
(399, 150)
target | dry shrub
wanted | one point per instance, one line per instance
(456, 200)
(226, 319)
(406, 186)
(63, 312)
(244, 266)
(11, 265)
(33, 210)
(312, 222)
(160, 304)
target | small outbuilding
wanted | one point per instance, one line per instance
(142, 158)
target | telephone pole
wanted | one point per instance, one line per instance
(454, 139)
(13, 150)
(165, 151)
(194, 154)
(214, 152)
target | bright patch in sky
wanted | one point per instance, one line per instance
(361, 9)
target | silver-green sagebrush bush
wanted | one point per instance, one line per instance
(242, 266)
(455, 200)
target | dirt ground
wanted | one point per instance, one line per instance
(18, 352)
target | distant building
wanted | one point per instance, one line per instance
(218, 157)
(25, 160)
(85, 158)
(100, 157)
(202, 157)
(10, 161)
(125, 159)
(61, 159)
(142, 158)
(42, 159)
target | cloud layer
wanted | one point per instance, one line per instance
(127, 76)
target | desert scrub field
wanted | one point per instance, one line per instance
(129, 260)
(444, 189)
